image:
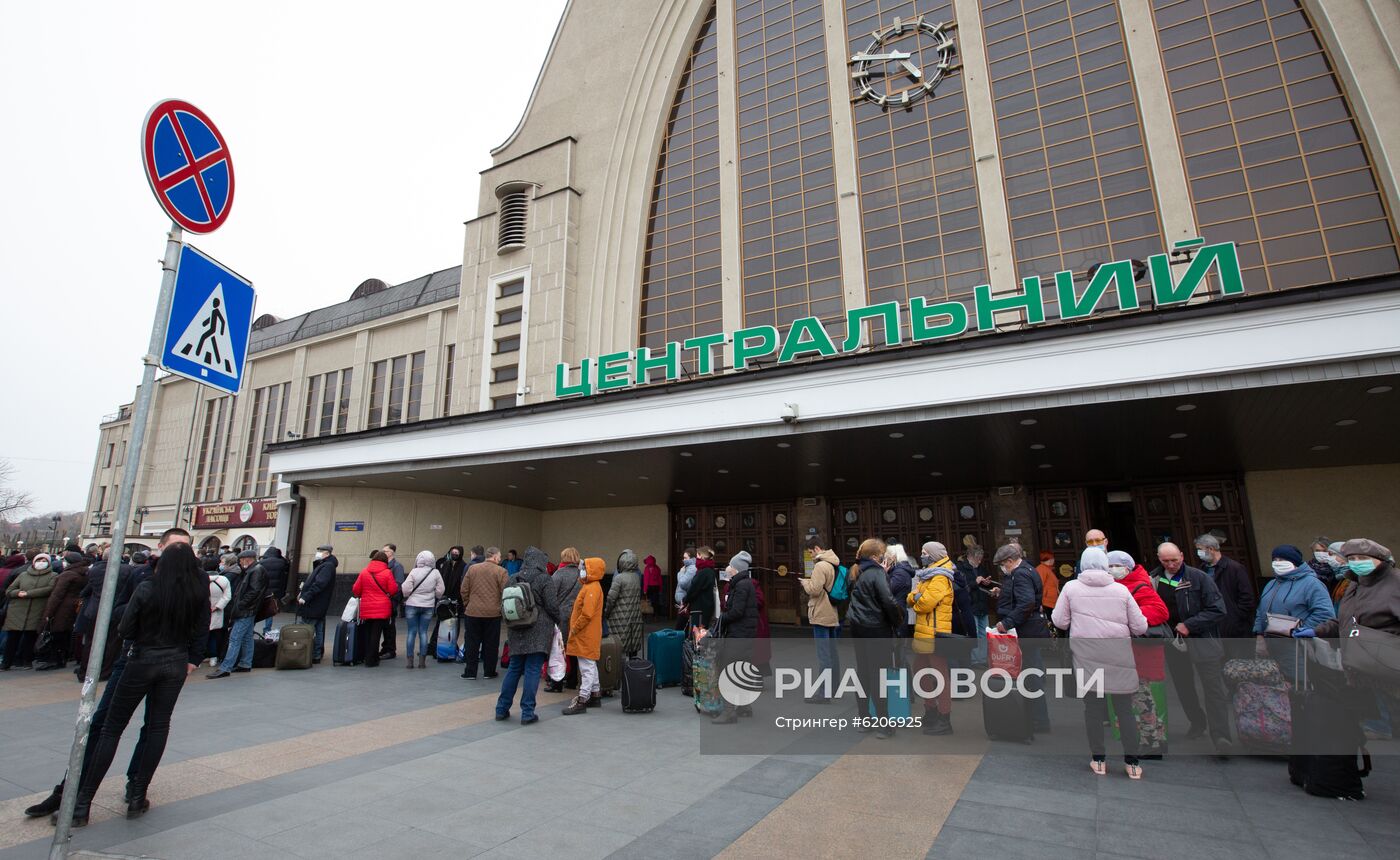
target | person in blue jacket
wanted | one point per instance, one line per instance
(1295, 592)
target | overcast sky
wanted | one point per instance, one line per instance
(357, 131)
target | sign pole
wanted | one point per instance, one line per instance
(58, 850)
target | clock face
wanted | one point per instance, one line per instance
(851, 517)
(903, 62)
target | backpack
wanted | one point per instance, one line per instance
(518, 604)
(840, 585)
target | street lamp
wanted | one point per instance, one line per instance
(53, 530)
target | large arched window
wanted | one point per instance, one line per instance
(1273, 156)
(681, 264)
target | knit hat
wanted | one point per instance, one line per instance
(45, 556)
(1007, 553)
(228, 559)
(1335, 547)
(73, 557)
(741, 561)
(1288, 552)
(933, 552)
(1120, 557)
(1365, 546)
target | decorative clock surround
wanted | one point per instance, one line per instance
(883, 59)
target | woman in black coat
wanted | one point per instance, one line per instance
(739, 624)
(875, 620)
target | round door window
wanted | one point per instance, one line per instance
(721, 521)
(689, 522)
(1211, 502)
(967, 512)
(1059, 509)
(780, 519)
(852, 543)
(748, 521)
(925, 514)
(852, 516)
(889, 515)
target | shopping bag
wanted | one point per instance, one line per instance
(352, 610)
(1004, 651)
(557, 664)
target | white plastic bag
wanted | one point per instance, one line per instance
(352, 610)
(557, 664)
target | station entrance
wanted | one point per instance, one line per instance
(1136, 518)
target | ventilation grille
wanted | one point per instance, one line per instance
(515, 207)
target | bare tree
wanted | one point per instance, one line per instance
(12, 499)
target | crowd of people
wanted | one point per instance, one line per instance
(174, 609)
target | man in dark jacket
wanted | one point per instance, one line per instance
(529, 645)
(314, 600)
(970, 601)
(739, 620)
(1195, 611)
(1018, 608)
(243, 610)
(1236, 588)
(452, 567)
(274, 564)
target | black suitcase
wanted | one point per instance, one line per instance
(638, 685)
(1007, 718)
(348, 648)
(688, 665)
(264, 652)
(1322, 728)
(294, 642)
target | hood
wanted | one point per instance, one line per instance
(594, 567)
(1137, 575)
(16, 560)
(829, 556)
(376, 567)
(425, 559)
(272, 552)
(1094, 558)
(1096, 578)
(649, 561)
(627, 561)
(534, 561)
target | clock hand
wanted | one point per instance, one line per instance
(914, 71)
(892, 55)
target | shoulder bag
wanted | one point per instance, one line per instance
(1160, 633)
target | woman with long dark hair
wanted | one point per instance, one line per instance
(164, 629)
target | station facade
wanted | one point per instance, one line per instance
(966, 270)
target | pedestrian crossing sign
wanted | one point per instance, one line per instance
(211, 318)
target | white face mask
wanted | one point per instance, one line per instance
(41, 565)
(583, 574)
(1281, 566)
(1202, 555)
(1323, 557)
(320, 555)
(1117, 571)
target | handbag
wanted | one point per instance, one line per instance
(266, 609)
(1366, 651)
(351, 611)
(1280, 625)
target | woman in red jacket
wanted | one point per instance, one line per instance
(1150, 700)
(374, 586)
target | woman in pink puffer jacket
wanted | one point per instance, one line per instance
(1102, 618)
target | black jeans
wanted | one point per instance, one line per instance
(1184, 670)
(156, 676)
(482, 641)
(390, 633)
(1096, 714)
(873, 653)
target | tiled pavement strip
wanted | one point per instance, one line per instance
(390, 763)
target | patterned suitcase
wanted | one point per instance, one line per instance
(705, 677)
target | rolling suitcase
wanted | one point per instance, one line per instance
(610, 664)
(348, 644)
(1007, 718)
(1262, 717)
(264, 652)
(294, 646)
(664, 651)
(688, 666)
(638, 685)
(896, 701)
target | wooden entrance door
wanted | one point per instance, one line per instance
(766, 531)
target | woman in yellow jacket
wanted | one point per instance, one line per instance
(586, 636)
(931, 600)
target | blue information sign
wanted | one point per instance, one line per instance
(211, 317)
(350, 526)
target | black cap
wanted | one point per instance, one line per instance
(248, 553)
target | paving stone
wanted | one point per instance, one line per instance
(959, 843)
(1011, 824)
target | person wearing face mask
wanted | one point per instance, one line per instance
(1338, 563)
(1320, 562)
(875, 620)
(314, 599)
(1236, 588)
(1102, 618)
(1195, 610)
(24, 613)
(586, 637)
(931, 601)
(1018, 608)
(1371, 598)
(740, 624)
(1294, 592)
(559, 601)
(1150, 700)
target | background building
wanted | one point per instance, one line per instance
(741, 164)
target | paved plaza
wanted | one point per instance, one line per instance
(352, 762)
